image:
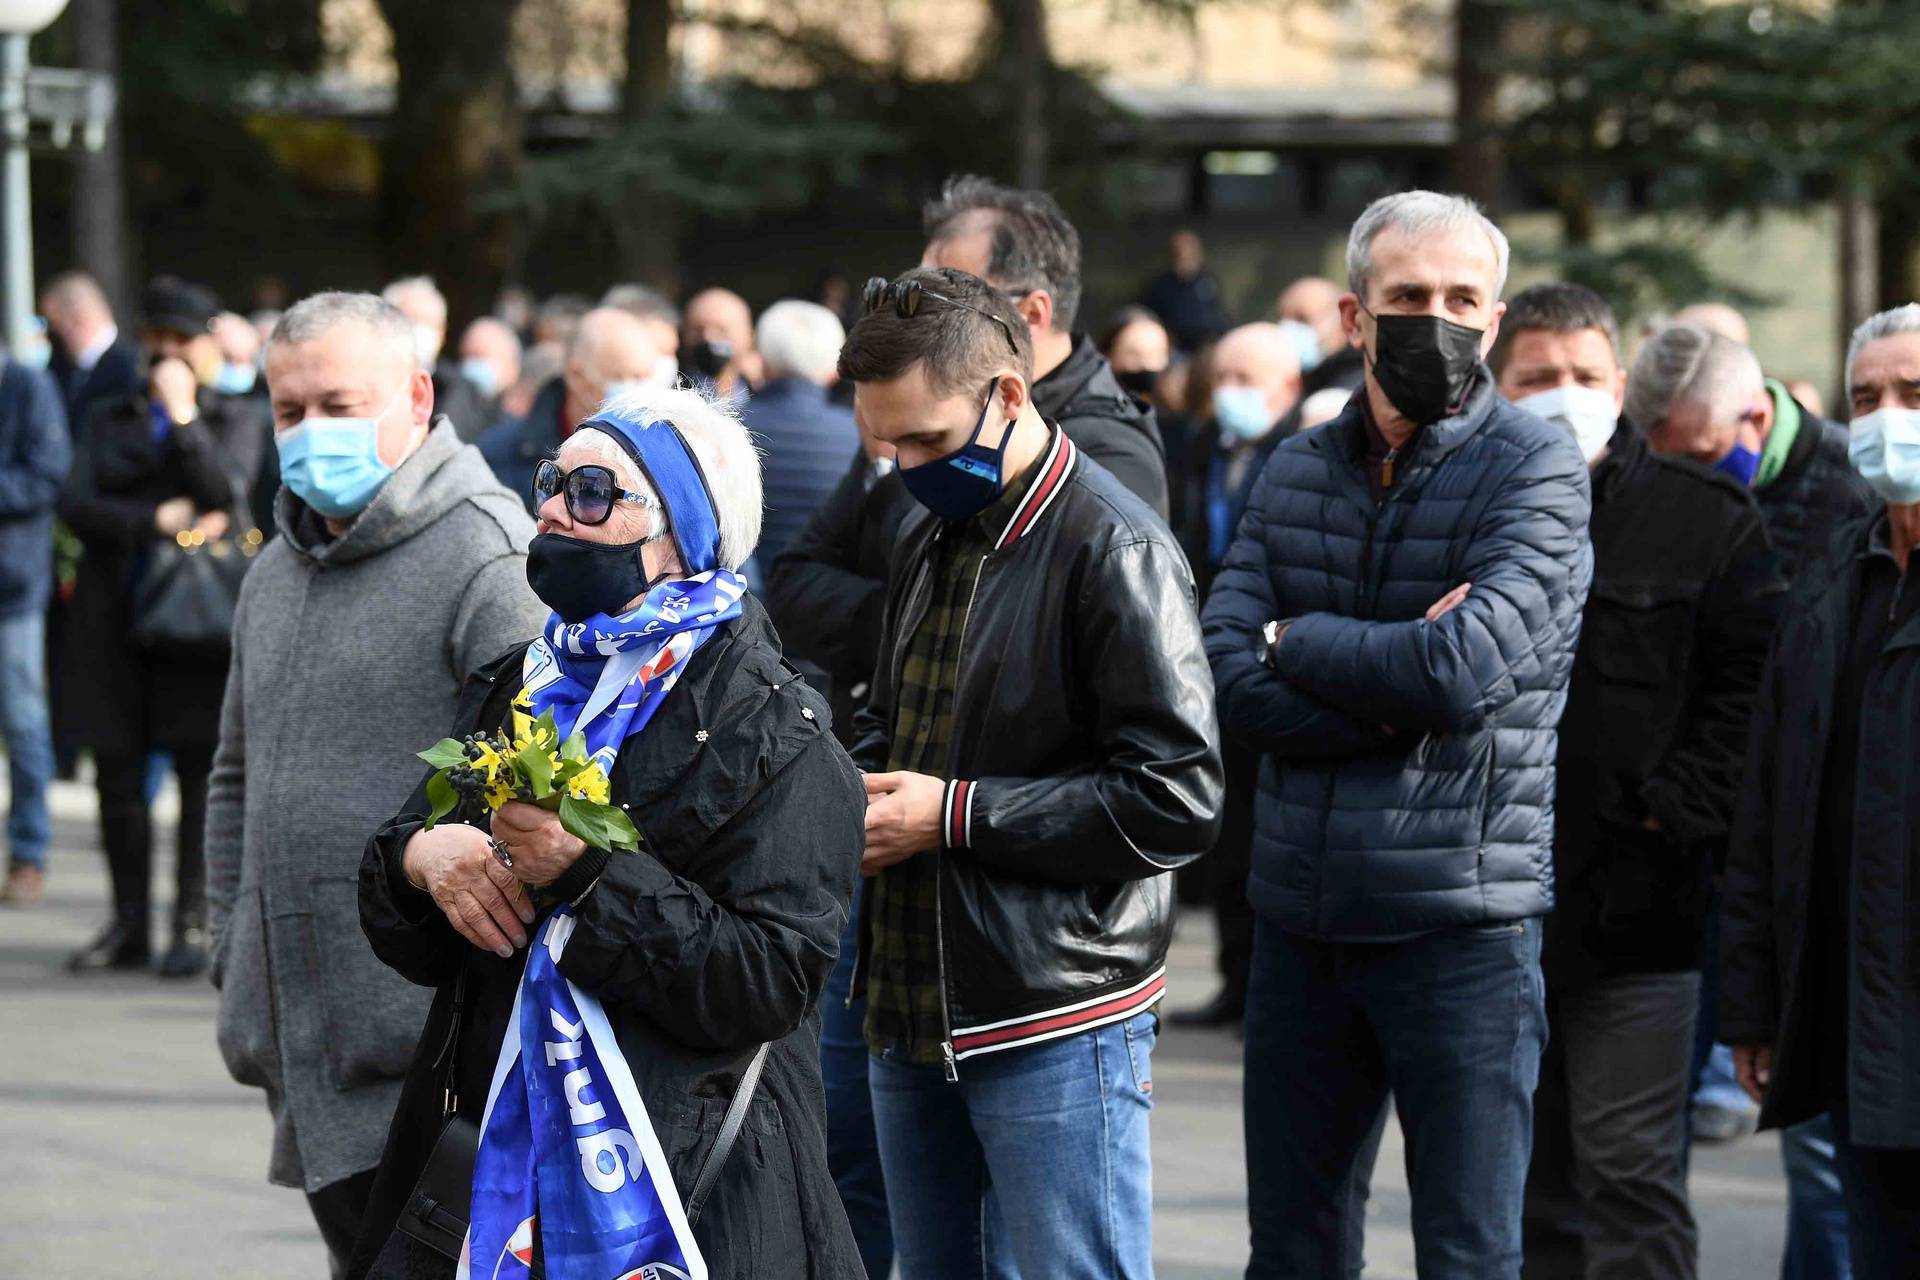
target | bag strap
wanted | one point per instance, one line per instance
(729, 1134)
(445, 1063)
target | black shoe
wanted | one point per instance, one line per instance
(1224, 1010)
(187, 957)
(115, 948)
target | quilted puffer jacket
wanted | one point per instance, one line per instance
(1407, 784)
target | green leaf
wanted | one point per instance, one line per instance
(443, 798)
(601, 826)
(574, 750)
(444, 754)
(537, 768)
(621, 833)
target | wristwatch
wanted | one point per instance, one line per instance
(1269, 640)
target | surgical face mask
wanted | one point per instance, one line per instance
(36, 353)
(235, 379)
(1742, 463)
(333, 464)
(1588, 412)
(1242, 412)
(1306, 343)
(426, 346)
(1424, 364)
(480, 372)
(1884, 447)
(627, 387)
(965, 482)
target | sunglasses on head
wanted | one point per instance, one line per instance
(590, 491)
(906, 296)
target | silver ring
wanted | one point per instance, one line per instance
(500, 852)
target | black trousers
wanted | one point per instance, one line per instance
(126, 830)
(338, 1208)
(1882, 1210)
(1227, 868)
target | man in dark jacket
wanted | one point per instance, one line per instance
(1186, 296)
(1022, 244)
(1394, 629)
(1041, 714)
(803, 438)
(34, 455)
(1651, 749)
(1819, 991)
(454, 397)
(92, 360)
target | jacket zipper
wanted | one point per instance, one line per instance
(939, 923)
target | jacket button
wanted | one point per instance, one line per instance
(776, 688)
(700, 736)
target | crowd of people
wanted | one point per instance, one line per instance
(1510, 694)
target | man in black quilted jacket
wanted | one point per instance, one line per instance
(1393, 629)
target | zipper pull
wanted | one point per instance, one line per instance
(1386, 469)
(953, 1068)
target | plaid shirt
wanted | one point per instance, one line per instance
(904, 1000)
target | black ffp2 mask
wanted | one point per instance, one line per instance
(708, 358)
(577, 579)
(1424, 364)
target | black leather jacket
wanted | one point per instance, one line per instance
(1085, 759)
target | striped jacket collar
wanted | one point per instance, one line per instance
(1056, 464)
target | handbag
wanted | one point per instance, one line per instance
(436, 1214)
(184, 603)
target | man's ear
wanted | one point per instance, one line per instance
(1012, 391)
(1037, 310)
(1492, 334)
(1350, 321)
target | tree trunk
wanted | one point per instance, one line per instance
(100, 246)
(1033, 79)
(1476, 162)
(454, 137)
(649, 248)
(1859, 266)
(1899, 238)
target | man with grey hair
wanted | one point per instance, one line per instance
(425, 307)
(400, 570)
(1393, 630)
(806, 438)
(1818, 986)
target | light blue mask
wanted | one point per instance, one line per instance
(1306, 343)
(235, 379)
(480, 372)
(333, 464)
(1242, 412)
(1884, 447)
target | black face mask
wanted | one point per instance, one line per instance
(1141, 382)
(708, 358)
(1424, 364)
(578, 579)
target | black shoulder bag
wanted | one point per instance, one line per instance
(184, 601)
(436, 1213)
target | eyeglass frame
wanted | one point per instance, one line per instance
(905, 296)
(560, 491)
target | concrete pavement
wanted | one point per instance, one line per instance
(127, 1150)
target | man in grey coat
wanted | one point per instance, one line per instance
(400, 570)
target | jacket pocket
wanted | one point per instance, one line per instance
(244, 1029)
(1639, 633)
(370, 1016)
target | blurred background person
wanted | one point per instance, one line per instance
(656, 310)
(490, 362)
(1186, 296)
(1309, 310)
(172, 459)
(1138, 350)
(91, 359)
(421, 301)
(555, 320)
(538, 366)
(804, 440)
(239, 381)
(1322, 407)
(716, 344)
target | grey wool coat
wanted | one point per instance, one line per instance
(348, 657)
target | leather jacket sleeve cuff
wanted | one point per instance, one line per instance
(956, 816)
(572, 884)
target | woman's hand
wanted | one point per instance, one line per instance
(540, 847)
(480, 898)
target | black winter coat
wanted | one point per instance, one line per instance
(1768, 979)
(1685, 594)
(1408, 784)
(1084, 760)
(828, 590)
(1108, 425)
(717, 936)
(1816, 492)
(113, 697)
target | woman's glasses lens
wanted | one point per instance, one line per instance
(590, 494)
(546, 483)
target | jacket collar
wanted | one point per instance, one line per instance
(1626, 455)
(1432, 442)
(1056, 464)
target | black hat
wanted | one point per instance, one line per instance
(176, 306)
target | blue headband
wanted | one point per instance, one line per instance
(670, 467)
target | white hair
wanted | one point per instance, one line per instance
(1417, 213)
(1690, 363)
(1887, 324)
(419, 287)
(312, 317)
(720, 444)
(800, 339)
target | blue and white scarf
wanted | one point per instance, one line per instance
(566, 1148)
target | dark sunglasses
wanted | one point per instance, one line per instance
(590, 491)
(906, 296)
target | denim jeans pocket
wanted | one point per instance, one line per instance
(1141, 1034)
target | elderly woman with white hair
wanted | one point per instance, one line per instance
(669, 1089)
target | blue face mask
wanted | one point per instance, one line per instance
(1242, 412)
(480, 372)
(333, 464)
(1742, 463)
(962, 484)
(1306, 343)
(235, 379)
(1884, 447)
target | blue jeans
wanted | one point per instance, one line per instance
(1450, 1026)
(1817, 1240)
(1036, 1164)
(853, 1153)
(29, 736)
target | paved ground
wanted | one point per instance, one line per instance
(127, 1151)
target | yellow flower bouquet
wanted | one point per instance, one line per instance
(484, 771)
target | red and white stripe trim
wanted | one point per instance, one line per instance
(1055, 467)
(1051, 1024)
(956, 815)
